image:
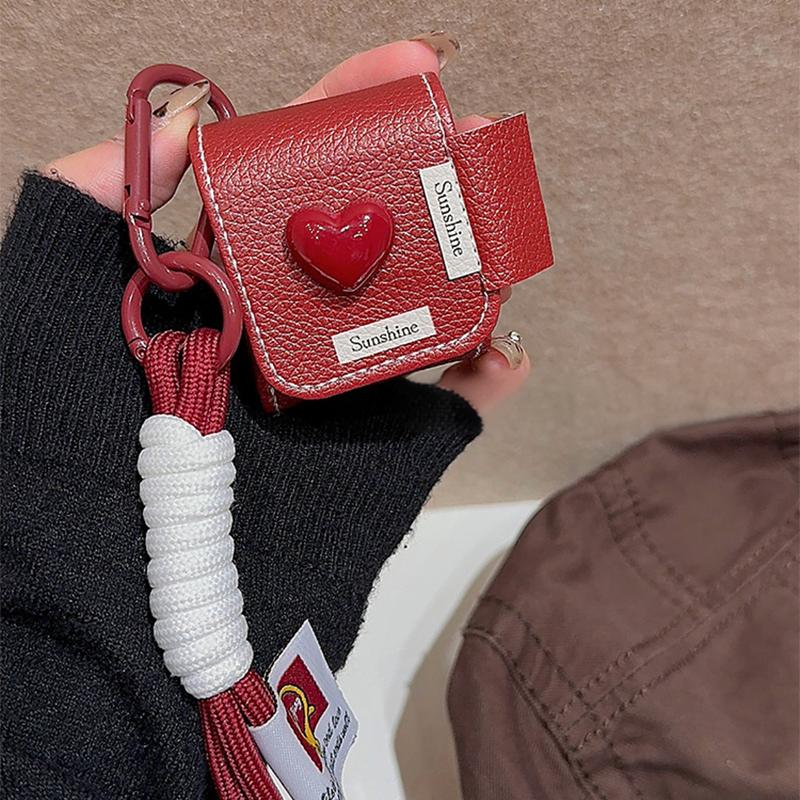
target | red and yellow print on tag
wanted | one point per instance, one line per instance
(305, 704)
(307, 740)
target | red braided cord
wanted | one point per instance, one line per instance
(183, 380)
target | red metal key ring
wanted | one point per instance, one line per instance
(137, 205)
(192, 266)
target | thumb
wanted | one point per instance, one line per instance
(99, 170)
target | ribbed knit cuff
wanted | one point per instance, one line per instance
(324, 494)
(325, 491)
(334, 488)
(69, 379)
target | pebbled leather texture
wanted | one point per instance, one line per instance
(501, 190)
(254, 172)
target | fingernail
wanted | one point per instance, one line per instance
(444, 44)
(510, 347)
(187, 96)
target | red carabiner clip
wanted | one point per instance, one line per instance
(173, 271)
(137, 205)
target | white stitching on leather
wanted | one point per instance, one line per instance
(237, 274)
(438, 115)
(440, 122)
(249, 309)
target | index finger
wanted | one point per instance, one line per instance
(383, 64)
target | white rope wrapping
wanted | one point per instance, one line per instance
(195, 597)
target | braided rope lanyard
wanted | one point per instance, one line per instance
(186, 465)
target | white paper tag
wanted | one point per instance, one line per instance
(450, 220)
(307, 740)
(411, 326)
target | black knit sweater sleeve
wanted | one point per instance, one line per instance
(324, 494)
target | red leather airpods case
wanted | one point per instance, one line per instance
(367, 237)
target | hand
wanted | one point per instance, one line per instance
(484, 382)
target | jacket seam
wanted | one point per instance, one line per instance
(783, 443)
(768, 583)
(621, 658)
(681, 663)
(618, 538)
(669, 569)
(576, 766)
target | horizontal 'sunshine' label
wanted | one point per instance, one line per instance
(450, 220)
(385, 334)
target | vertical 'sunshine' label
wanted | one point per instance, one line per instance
(450, 220)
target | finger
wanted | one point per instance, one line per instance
(99, 170)
(389, 62)
(472, 121)
(485, 382)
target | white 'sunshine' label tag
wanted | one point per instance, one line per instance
(410, 326)
(450, 220)
(307, 740)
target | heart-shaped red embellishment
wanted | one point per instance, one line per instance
(341, 251)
